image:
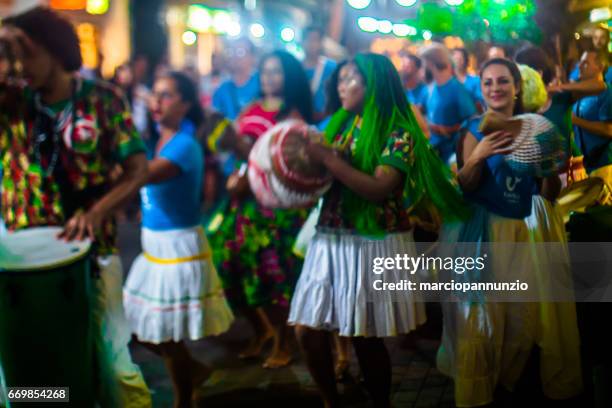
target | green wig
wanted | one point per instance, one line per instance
(428, 188)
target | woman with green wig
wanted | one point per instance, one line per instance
(387, 179)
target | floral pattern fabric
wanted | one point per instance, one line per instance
(253, 247)
(99, 137)
(392, 213)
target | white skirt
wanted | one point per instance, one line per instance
(334, 291)
(173, 292)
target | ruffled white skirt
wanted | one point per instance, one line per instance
(173, 292)
(335, 290)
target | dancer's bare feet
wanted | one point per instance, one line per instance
(200, 373)
(256, 346)
(278, 358)
(341, 369)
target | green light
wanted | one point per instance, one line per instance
(504, 14)
(359, 4)
(198, 18)
(97, 6)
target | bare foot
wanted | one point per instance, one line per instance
(341, 370)
(278, 359)
(256, 346)
(200, 373)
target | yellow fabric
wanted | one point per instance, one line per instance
(484, 345)
(604, 173)
(216, 135)
(172, 261)
(121, 383)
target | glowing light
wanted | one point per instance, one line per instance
(199, 18)
(486, 22)
(189, 38)
(221, 21)
(68, 4)
(257, 30)
(600, 14)
(234, 29)
(250, 4)
(427, 35)
(359, 4)
(402, 30)
(504, 14)
(577, 36)
(406, 3)
(454, 2)
(367, 24)
(97, 6)
(385, 26)
(287, 34)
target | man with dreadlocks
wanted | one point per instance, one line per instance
(386, 173)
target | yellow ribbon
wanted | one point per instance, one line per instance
(171, 261)
(216, 135)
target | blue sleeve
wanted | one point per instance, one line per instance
(467, 108)
(183, 151)
(608, 76)
(218, 99)
(605, 111)
(575, 74)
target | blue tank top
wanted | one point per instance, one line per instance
(501, 191)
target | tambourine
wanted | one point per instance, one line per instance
(280, 172)
(538, 149)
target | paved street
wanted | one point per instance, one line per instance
(237, 383)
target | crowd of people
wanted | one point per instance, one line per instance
(407, 151)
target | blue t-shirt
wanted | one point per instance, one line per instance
(319, 94)
(472, 84)
(448, 105)
(575, 74)
(175, 203)
(501, 191)
(418, 95)
(597, 149)
(229, 99)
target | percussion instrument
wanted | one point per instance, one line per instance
(45, 313)
(576, 171)
(538, 149)
(280, 172)
(581, 195)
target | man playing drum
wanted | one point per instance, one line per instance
(60, 139)
(593, 122)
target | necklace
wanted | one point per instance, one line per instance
(47, 131)
(347, 138)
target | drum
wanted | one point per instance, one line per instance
(280, 173)
(538, 149)
(580, 196)
(45, 313)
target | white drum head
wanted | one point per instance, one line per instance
(38, 248)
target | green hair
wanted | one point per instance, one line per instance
(428, 184)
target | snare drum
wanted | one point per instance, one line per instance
(45, 313)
